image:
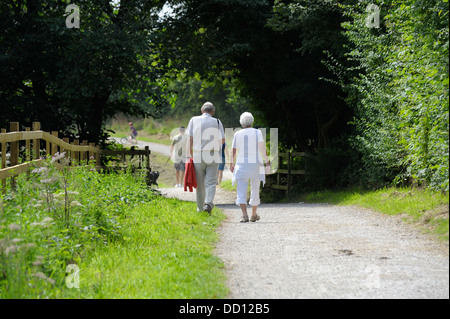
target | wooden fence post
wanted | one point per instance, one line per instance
(27, 147)
(65, 139)
(289, 172)
(147, 156)
(54, 146)
(76, 155)
(280, 161)
(36, 126)
(3, 162)
(84, 154)
(97, 156)
(48, 151)
(3, 150)
(14, 146)
(14, 150)
(91, 153)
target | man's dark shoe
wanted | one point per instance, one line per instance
(207, 208)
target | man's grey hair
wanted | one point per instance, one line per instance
(246, 119)
(208, 107)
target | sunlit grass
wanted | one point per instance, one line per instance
(167, 253)
(226, 185)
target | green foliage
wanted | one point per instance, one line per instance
(277, 69)
(72, 80)
(191, 93)
(400, 92)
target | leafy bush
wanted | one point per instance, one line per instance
(400, 91)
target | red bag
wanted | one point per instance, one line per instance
(189, 177)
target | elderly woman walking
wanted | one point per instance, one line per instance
(248, 145)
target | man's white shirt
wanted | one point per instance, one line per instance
(207, 133)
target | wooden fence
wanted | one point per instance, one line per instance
(286, 170)
(24, 151)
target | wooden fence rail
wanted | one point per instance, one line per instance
(289, 171)
(32, 155)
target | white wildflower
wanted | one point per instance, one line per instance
(76, 203)
(10, 249)
(13, 227)
(41, 275)
(58, 156)
(39, 170)
(49, 180)
(47, 220)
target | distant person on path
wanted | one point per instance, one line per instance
(178, 155)
(249, 146)
(222, 163)
(205, 138)
(133, 132)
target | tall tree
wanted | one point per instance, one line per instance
(73, 79)
(278, 68)
(192, 92)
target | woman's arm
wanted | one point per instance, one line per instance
(233, 160)
(262, 149)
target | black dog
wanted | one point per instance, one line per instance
(152, 178)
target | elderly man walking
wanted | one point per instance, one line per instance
(205, 138)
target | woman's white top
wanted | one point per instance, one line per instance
(249, 162)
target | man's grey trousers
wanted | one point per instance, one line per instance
(206, 176)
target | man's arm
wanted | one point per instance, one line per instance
(189, 146)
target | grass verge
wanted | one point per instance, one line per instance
(226, 185)
(126, 241)
(167, 253)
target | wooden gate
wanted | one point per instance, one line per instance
(286, 169)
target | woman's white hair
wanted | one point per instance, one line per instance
(246, 119)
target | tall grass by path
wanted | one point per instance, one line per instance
(126, 241)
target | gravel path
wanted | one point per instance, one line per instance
(154, 147)
(323, 251)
